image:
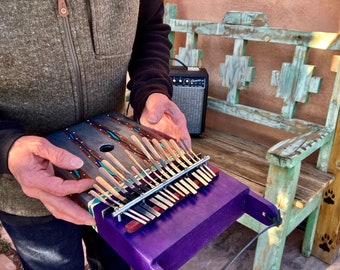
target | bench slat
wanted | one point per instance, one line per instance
(245, 160)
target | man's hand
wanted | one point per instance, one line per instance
(30, 161)
(163, 115)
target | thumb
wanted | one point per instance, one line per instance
(154, 111)
(155, 107)
(155, 116)
(58, 156)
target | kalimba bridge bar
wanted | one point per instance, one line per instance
(155, 202)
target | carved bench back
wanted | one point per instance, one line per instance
(294, 82)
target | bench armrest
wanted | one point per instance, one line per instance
(289, 152)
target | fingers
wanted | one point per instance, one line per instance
(154, 108)
(64, 208)
(163, 115)
(27, 149)
(54, 186)
(30, 161)
(58, 156)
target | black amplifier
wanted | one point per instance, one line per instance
(190, 91)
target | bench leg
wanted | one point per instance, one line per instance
(310, 230)
(269, 249)
(280, 190)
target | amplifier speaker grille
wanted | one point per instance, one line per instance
(190, 89)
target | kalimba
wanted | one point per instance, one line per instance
(155, 202)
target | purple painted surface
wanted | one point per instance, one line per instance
(171, 240)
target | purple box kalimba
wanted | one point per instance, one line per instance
(155, 202)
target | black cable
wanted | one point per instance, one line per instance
(179, 61)
(227, 265)
(276, 222)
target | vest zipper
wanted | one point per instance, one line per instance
(63, 12)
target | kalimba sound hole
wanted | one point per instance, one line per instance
(107, 148)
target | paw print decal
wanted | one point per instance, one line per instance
(327, 242)
(329, 196)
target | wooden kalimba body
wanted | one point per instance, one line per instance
(155, 202)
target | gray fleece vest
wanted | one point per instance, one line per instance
(56, 71)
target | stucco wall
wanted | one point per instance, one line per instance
(304, 15)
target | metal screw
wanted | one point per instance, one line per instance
(63, 11)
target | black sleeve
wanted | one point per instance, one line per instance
(9, 132)
(149, 65)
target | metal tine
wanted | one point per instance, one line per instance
(170, 185)
(207, 171)
(107, 195)
(117, 163)
(135, 218)
(188, 186)
(204, 175)
(192, 183)
(161, 192)
(173, 153)
(174, 157)
(141, 168)
(199, 178)
(135, 189)
(166, 197)
(144, 209)
(141, 219)
(160, 149)
(103, 183)
(189, 152)
(182, 188)
(117, 173)
(145, 151)
(134, 169)
(158, 203)
(194, 156)
(155, 153)
(167, 202)
(152, 180)
(111, 180)
(123, 199)
(180, 152)
(167, 157)
(180, 148)
(100, 186)
(177, 190)
(148, 145)
(127, 173)
(203, 181)
(159, 177)
(169, 196)
(138, 214)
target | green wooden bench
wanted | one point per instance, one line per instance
(280, 173)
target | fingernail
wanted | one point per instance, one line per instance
(152, 118)
(76, 162)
